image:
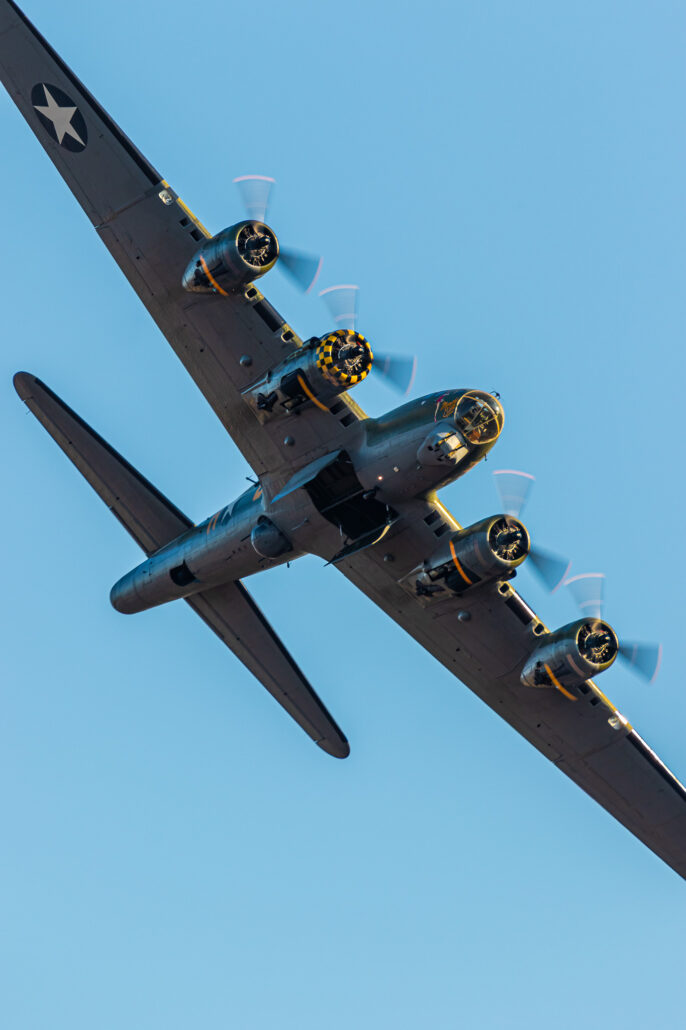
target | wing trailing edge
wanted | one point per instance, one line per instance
(153, 521)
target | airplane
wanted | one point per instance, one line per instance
(359, 492)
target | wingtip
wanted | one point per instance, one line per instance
(23, 384)
(336, 748)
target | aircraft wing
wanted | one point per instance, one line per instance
(585, 737)
(152, 236)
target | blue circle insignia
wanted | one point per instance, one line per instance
(60, 116)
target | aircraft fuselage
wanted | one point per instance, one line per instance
(410, 452)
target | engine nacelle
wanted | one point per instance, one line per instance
(233, 257)
(488, 550)
(571, 655)
(313, 374)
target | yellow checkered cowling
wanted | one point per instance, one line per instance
(327, 353)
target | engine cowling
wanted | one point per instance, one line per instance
(314, 374)
(572, 655)
(233, 257)
(488, 550)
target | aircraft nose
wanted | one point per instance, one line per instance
(497, 408)
(480, 416)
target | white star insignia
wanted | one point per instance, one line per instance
(60, 117)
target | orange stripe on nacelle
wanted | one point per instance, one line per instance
(457, 565)
(557, 683)
(211, 278)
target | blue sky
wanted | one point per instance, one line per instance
(505, 183)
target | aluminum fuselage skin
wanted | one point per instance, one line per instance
(391, 461)
(387, 458)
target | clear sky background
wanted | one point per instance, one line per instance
(505, 181)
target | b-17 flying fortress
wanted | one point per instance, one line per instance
(359, 492)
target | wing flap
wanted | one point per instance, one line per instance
(213, 336)
(209, 336)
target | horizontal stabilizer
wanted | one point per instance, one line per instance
(153, 521)
(149, 517)
(233, 615)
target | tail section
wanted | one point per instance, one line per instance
(144, 512)
(153, 521)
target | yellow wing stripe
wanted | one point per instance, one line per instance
(196, 221)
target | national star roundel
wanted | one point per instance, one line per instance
(60, 116)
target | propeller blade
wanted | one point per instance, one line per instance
(513, 488)
(255, 191)
(304, 269)
(644, 658)
(551, 568)
(398, 371)
(588, 590)
(342, 302)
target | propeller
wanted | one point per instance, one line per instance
(513, 488)
(342, 302)
(256, 192)
(588, 590)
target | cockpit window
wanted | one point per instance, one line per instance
(479, 417)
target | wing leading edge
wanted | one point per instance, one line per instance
(153, 521)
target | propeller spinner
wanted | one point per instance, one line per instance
(342, 302)
(588, 590)
(256, 192)
(513, 489)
